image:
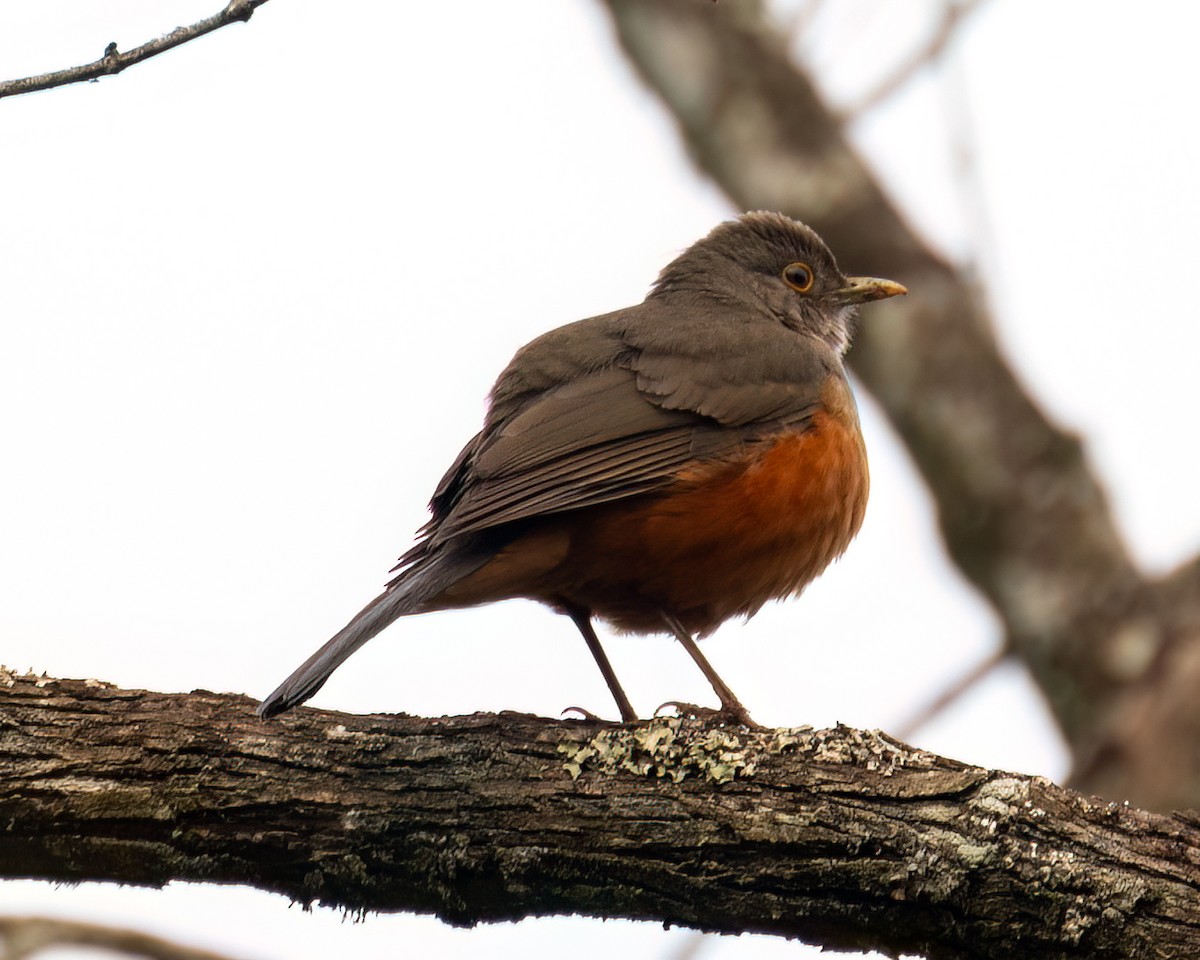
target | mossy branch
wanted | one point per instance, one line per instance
(840, 837)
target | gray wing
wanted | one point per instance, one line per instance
(629, 428)
(591, 441)
(735, 371)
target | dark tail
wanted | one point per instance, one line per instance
(407, 594)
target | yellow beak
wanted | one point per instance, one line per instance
(863, 289)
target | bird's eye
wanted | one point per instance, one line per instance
(798, 276)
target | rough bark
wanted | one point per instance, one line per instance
(1116, 654)
(840, 837)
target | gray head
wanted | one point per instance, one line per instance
(773, 263)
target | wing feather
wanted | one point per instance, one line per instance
(622, 427)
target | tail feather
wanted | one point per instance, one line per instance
(409, 593)
(309, 677)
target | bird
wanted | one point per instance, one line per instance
(663, 468)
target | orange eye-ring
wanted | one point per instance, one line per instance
(798, 276)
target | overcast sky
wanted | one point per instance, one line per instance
(255, 291)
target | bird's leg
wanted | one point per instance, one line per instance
(731, 706)
(583, 620)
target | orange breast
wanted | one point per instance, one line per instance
(727, 538)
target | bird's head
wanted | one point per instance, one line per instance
(782, 268)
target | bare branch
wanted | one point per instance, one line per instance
(802, 19)
(24, 937)
(953, 693)
(953, 14)
(840, 837)
(1182, 586)
(691, 947)
(113, 61)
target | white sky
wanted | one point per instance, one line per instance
(255, 291)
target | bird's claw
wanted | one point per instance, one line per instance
(730, 713)
(588, 715)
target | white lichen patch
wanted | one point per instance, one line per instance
(1000, 798)
(975, 855)
(678, 747)
(998, 803)
(869, 748)
(361, 739)
(671, 748)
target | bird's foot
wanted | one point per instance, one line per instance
(591, 717)
(732, 713)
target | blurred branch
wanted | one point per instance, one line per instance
(1183, 583)
(113, 61)
(802, 18)
(23, 937)
(840, 837)
(953, 14)
(691, 946)
(952, 694)
(1020, 510)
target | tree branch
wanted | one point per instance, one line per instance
(113, 61)
(1020, 510)
(953, 14)
(952, 693)
(838, 837)
(24, 937)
